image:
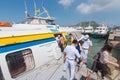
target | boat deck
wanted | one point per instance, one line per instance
(54, 71)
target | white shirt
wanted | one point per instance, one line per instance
(104, 54)
(87, 44)
(71, 52)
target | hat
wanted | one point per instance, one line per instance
(86, 36)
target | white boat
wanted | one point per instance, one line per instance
(88, 30)
(80, 29)
(29, 51)
(102, 30)
(29, 48)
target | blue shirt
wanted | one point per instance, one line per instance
(78, 48)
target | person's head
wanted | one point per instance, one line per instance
(58, 36)
(70, 35)
(107, 48)
(86, 37)
(75, 42)
(81, 42)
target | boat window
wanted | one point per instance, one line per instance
(1, 75)
(88, 29)
(43, 22)
(97, 28)
(50, 22)
(19, 62)
(35, 21)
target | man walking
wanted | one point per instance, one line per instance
(70, 53)
(87, 44)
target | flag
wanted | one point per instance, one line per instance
(37, 10)
(27, 15)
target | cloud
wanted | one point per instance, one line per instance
(93, 6)
(66, 3)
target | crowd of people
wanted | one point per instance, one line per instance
(76, 52)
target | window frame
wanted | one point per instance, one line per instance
(1, 74)
(20, 62)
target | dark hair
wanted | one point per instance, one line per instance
(74, 41)
(70, 34)
(81, 42)
(107, 47)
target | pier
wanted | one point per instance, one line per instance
(114, 38)
(54, 71)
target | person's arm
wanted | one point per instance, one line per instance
(90, 46)
(79, 56)
(80, 47)
(64, 57)
(110, 62)
(90, 49)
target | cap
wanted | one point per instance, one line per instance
(86, 36)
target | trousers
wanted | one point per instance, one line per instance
(70, 64)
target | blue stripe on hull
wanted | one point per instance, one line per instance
(23, 45)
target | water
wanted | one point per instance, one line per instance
(97, 45)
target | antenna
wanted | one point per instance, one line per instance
(25, 6)
(26, 12)
(35, 8)
(45, 10)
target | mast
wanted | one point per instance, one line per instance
(35, 8)
(89, 25)
(44, 11)
(26, 12)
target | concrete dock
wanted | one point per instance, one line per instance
(53, 70)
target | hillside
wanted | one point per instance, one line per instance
(85, 24)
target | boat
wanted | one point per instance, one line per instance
(29, 50)
(80, 29)
(100, 31)
(5, 24)
(30, 47)
(88, 30)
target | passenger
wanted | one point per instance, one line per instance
(62, 43)
(87, 45)
(58, 38)
(69, 58)
(79, 48)
(69, 39)
(104, 60)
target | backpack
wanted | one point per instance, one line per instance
(96, 64)
(97, 56)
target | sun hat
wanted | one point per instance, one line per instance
(86, 36)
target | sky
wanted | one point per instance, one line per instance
(66, 12)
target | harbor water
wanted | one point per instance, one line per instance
(97, 45)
